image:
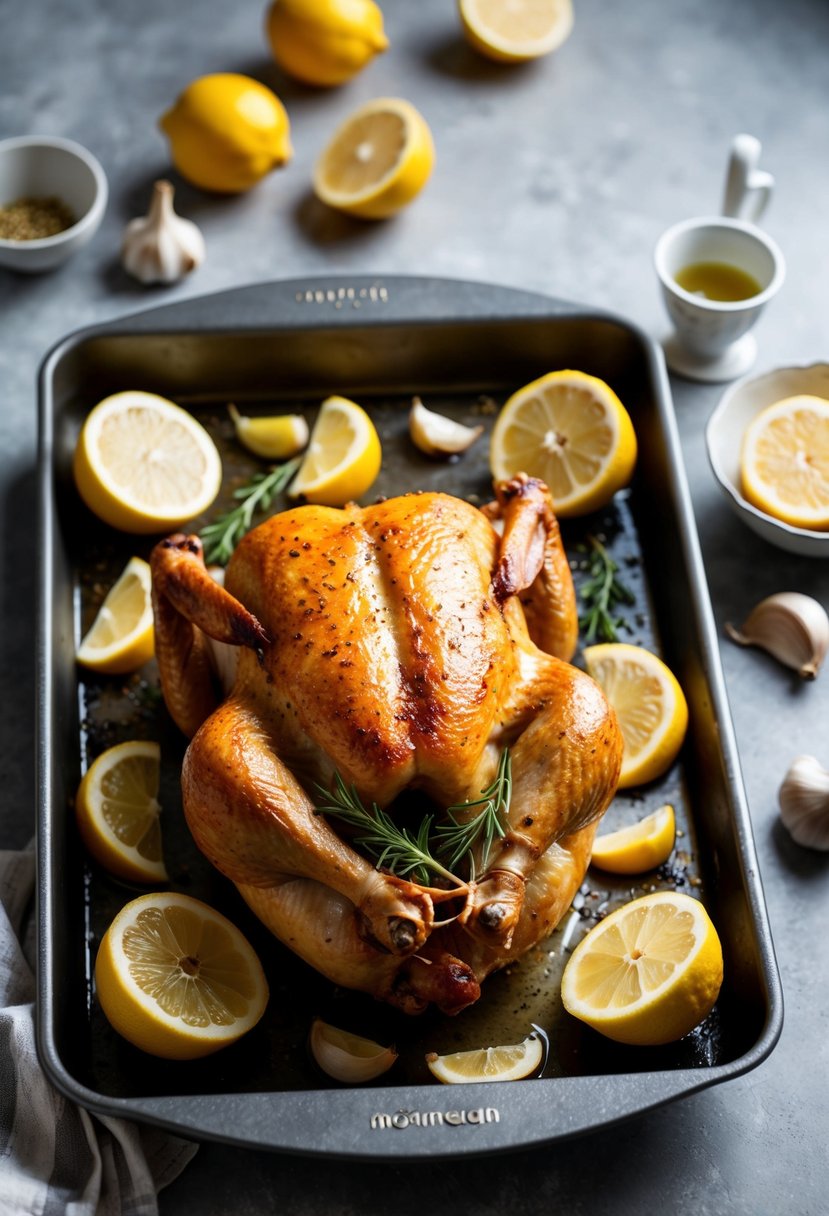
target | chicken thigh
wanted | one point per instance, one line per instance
(401, 647)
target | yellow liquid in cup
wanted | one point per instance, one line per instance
(717, 281)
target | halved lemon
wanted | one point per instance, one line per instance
(143, 464)
(117, 809)
(570, 430)
(348, 1057)
(275, 437)
(518, 30)
(642, 846)
(343, 457)
(648, 973)
(508, 1063)
(784, 462)
(650, 706)
(177, 979)
(378, 160)
(121, 637)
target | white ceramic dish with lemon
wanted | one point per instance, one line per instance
(737, 409)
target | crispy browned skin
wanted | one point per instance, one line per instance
(402, 645)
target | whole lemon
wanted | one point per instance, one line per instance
(226, 132)
(325, 42)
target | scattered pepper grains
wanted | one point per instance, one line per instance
(32, 219)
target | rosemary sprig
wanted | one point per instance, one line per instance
(602, 592)
(456, 838)
(392, 847)
(223, 535)
(412, 854)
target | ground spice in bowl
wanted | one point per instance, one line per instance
(32, 219)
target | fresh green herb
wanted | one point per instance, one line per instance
(602, 592)
(457, 837)
(223, 535)
(412, 854)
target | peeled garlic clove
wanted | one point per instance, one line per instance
(794, 628)
(437, 435)
(348, 1057)
(804, 802)
(275, 438)
(161, 247)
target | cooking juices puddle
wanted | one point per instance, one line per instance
(717, 281)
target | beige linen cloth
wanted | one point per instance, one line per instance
(57, 1159)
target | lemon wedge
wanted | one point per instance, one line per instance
(570, 430)
(648, 973)
(378, 160)
(784, 462)
(348, 1057)
(650, 706)
(121, 638)
(325, 42)
(117, 810)
(518, 30)
(640, 847)
(343, 457)
(143, 464)
(508, 1063)
(226, 132)
(177, 979)
(274, 438)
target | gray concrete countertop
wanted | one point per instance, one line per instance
(558, 177)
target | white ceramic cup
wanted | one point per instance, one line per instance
(711, 339)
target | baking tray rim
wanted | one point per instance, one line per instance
(517, 304)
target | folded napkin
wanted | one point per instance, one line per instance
(57, 1159)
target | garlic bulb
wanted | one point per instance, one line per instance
(794, 628)
(348, 1057)
(437, 435)
(161, 247)
(804, 802)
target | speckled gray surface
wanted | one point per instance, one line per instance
(556, 177)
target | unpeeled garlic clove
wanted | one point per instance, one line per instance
(804, 802)
(437, 435)
(348, 1057)
(161, 247)
(794, 628)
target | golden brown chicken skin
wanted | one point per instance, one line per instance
(402, 646)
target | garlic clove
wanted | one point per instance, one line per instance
(804, 802)
(794, 628)
(161, 247)
(437, 435)
(348, 1057)
(274, 438)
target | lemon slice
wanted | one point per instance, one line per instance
(377, 161)
(518, 30)
(275, 438)
(509, 1063)
(348, 1057)
(177, 979)
(650, 706)
(570, 430)
(640, 847)
(143, 464)
(121, 638)
(648, 973)
(784, 462)
(117, 810)
(343, 457)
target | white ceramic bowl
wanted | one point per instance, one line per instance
(33, 166)
(724, 436)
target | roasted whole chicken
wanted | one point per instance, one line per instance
(401, 647)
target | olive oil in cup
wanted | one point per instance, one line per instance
(717, 281)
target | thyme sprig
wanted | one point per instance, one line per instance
(456, 838)
(602, 592)
(222, 536)
(415, 853)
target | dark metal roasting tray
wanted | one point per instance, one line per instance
(463, 348)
